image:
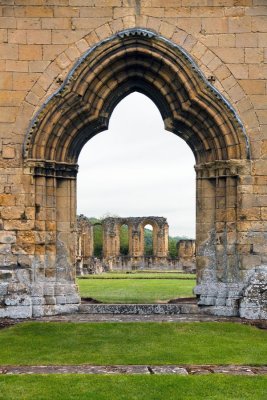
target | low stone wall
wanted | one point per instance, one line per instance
(93, 265)
(140, 309)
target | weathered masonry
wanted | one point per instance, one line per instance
(64, 67)
(111, 257)
(111, 235)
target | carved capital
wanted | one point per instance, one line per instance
(223, 168)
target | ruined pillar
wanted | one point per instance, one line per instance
(161, 249)
(218, 220)
(111, 242)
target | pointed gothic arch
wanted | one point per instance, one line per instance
(136, 60)
(140, 60)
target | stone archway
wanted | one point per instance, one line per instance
(137, 60)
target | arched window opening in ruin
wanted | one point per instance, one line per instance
(138, 60)
(148, 240)
(137, 168)
(124, 240)
(98, 240)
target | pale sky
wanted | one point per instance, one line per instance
(136, 168)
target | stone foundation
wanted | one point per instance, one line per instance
(38, 300)
(253, 304)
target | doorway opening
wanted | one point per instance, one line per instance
(98, 240)
(148, 240)
(124, 240)
(142, 61)
(124, 172)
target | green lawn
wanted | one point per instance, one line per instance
(140, 275)
(36, 343)
(119, 387)
(132, 290)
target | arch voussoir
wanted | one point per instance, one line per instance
(127, 63)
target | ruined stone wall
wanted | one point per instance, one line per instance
(186, 250)
(112, 259)
(40, 42)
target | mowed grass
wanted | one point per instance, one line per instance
(135, 288)
(140, 275)
(37, 343)
(119, 387)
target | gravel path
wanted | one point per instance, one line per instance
(134, 369)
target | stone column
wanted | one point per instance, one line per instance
(161, 249)
(218, 252)
(111, 242)
(137, 236)
(53, 288)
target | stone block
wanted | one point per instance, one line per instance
(246, 40)
(17, 36)
(257, 71)
(17, 300)
(36, 290)
(43, 37)
(11, 98)
(8, 152)
(253, 86)
(3, 288)
(37, 66)
(48, 290)
(259, 23)
(190, 25)
(259, 101)
(30, 52)
(250, 261)
(7, 237)
(17, 66)
(16, 312)
(89, 23)
(38, 301)
(125, 11)
(29, 23)
(240, 71)
(19, 225)
(240, 24)
(37, 311)
(254, 56)
(73, 53)
(5, 248)
(8, 51)
(6, 80)
(24, 81)
(34, 11)
(67, 37)
(50, 300)
(62, 12)
(231, 55)
(215, 25)
(7, 200)
(8, 22)
(61, 299)
(56, 23)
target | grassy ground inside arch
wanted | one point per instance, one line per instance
(118, 387)
(137, 287)
(36, 343)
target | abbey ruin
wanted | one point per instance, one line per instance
(113, 260)
(64, 66)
